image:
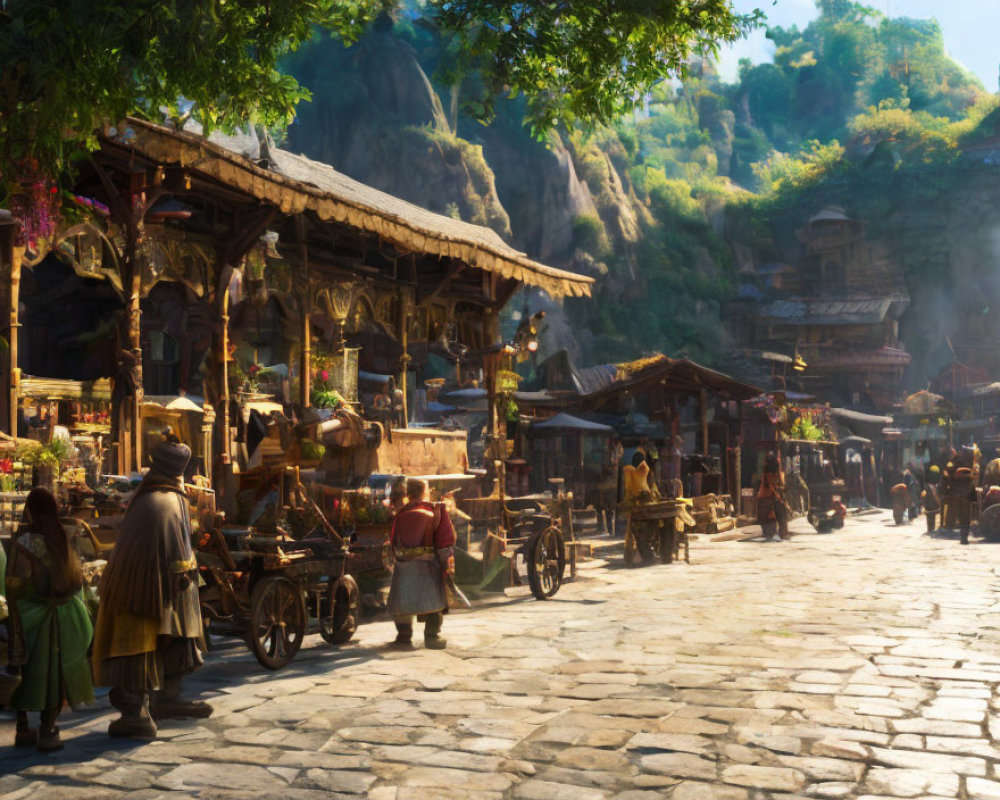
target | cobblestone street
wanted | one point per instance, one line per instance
(859, 664)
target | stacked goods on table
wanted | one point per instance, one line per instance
(713, 513)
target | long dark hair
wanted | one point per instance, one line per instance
(67, 574)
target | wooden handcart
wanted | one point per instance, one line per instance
(273, 591)
(540, 537)
(670, 537)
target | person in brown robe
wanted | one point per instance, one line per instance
(149, 629)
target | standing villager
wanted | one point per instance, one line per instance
(639, 491)
(931, 497)
(422, 541)
(959, 491)
(149, 628)
(900, 494)
(50, 625)
(913, 489)
(964, 482)
(772, 510)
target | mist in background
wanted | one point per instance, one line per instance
(970, 30)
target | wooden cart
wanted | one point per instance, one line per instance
(670, 538)
(540, 538)
(272, 591)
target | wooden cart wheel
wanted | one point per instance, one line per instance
(344, 606)
(546, 562)
(277, 622)
(989, 523)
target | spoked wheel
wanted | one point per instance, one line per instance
(277, 622)
(343, 607)
(989, 523)
(546, 562)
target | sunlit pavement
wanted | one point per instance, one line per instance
(861, 663)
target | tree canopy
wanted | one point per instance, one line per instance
(584, 60)
(67, 67)
(70, 66)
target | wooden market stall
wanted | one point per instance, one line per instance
(268, 308)
(580, 451)
(700, 412)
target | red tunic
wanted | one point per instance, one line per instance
(422, 538)
(414, 526)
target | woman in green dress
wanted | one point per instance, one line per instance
(51, 629)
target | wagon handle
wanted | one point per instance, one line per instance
(322, 517)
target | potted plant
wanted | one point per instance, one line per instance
(46, 462)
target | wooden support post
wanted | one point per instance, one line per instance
(738, 477)
(305, 365)
(134, 323)
(14, 371)
(404, 340)
(224, 420)
(305, 370)
(703, 419)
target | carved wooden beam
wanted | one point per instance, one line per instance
(121, 208)
(442, 285)
(250, 231)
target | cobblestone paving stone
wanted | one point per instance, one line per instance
(862, 664)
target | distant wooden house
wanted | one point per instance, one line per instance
(841, 315)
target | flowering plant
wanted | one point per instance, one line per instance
(324, 393)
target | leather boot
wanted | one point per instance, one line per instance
(48, 732)
(24, 735)
(167, 703)
(135, 721)
(432, 632)
(404, 635)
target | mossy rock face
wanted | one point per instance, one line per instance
(664, 205)
(381, 121)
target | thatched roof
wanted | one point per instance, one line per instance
(676, 374)
(297, 184)
(856, 311)
(926, 403)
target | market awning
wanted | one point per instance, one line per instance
(477, 399)
(297, 184)
(860, 416)
(567, 422)
(173, 402)
(879, 359)
(676, 375)
(61, 389)
(924, 403)
(862, 311)
(984, 390)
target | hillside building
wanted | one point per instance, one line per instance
(837, 308)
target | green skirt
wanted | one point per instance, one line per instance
(57, 637)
